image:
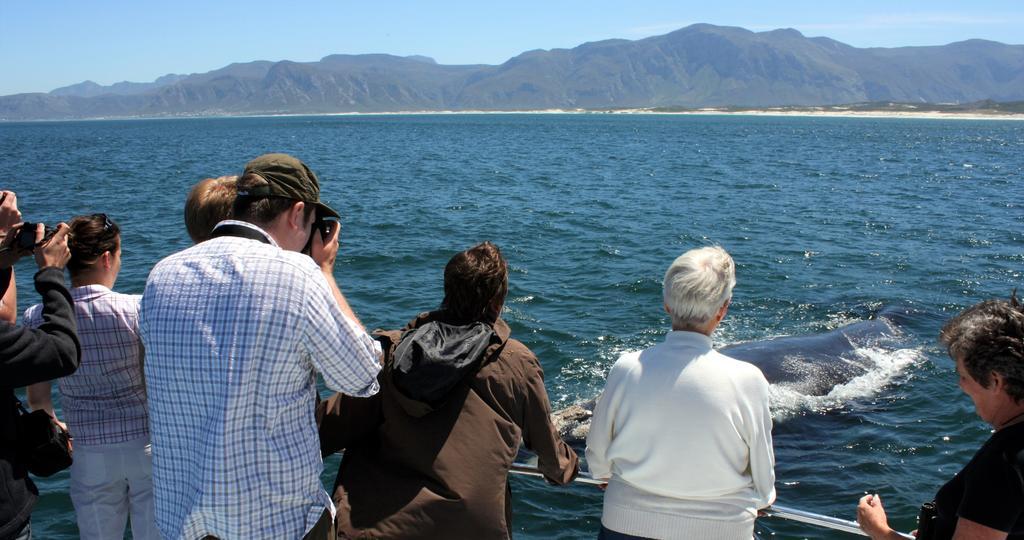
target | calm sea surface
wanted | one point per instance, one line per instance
(830, 220)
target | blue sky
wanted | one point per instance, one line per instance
(45, 44)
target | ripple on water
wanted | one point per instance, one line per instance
(590, 210)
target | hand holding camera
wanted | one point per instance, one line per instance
(52, 249)
(20, 239)
(48, 244)
(323, 243)
(26, 238)
(9, 214)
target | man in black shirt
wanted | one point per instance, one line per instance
(28, 356)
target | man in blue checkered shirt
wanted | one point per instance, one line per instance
(236, 329)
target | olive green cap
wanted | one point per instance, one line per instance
(286, 177)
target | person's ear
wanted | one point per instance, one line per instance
(296, 215)
(723, 310)
(496, 306)
(108, 260)
(996, 382)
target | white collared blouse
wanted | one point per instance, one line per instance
(104, 401)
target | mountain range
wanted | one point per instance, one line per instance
(698, 66)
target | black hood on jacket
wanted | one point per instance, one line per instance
(431, 359)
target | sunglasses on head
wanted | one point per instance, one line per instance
(107, 224)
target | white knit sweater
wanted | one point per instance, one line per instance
(683, 434)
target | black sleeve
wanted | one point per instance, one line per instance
(993, 494)
(49, 352)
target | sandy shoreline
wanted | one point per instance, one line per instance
(856, 114)
(776, 112)
(700, 112)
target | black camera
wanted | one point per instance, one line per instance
(25, 238)
(325, 226)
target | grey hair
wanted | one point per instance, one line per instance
(989, 338)
(697, 284)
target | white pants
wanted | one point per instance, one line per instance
(110, 482)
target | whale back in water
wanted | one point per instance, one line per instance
(810, 364)
(815, 364)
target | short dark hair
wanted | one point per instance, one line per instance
(474, 280)
(262, 210)
(989, 338)
(88, 238)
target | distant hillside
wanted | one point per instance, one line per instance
(125, 88)
(698, 66)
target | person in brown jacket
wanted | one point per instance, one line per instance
(428, 456)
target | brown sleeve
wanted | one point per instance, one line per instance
(346, 420)
(555, 459)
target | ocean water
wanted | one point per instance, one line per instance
(830, 221)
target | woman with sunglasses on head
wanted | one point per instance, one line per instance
(104, 402)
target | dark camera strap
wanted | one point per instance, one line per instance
(239, 231)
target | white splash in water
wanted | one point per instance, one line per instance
(885, 365)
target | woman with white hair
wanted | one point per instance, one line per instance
(681, 432)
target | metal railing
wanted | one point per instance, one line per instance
(774, 510)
